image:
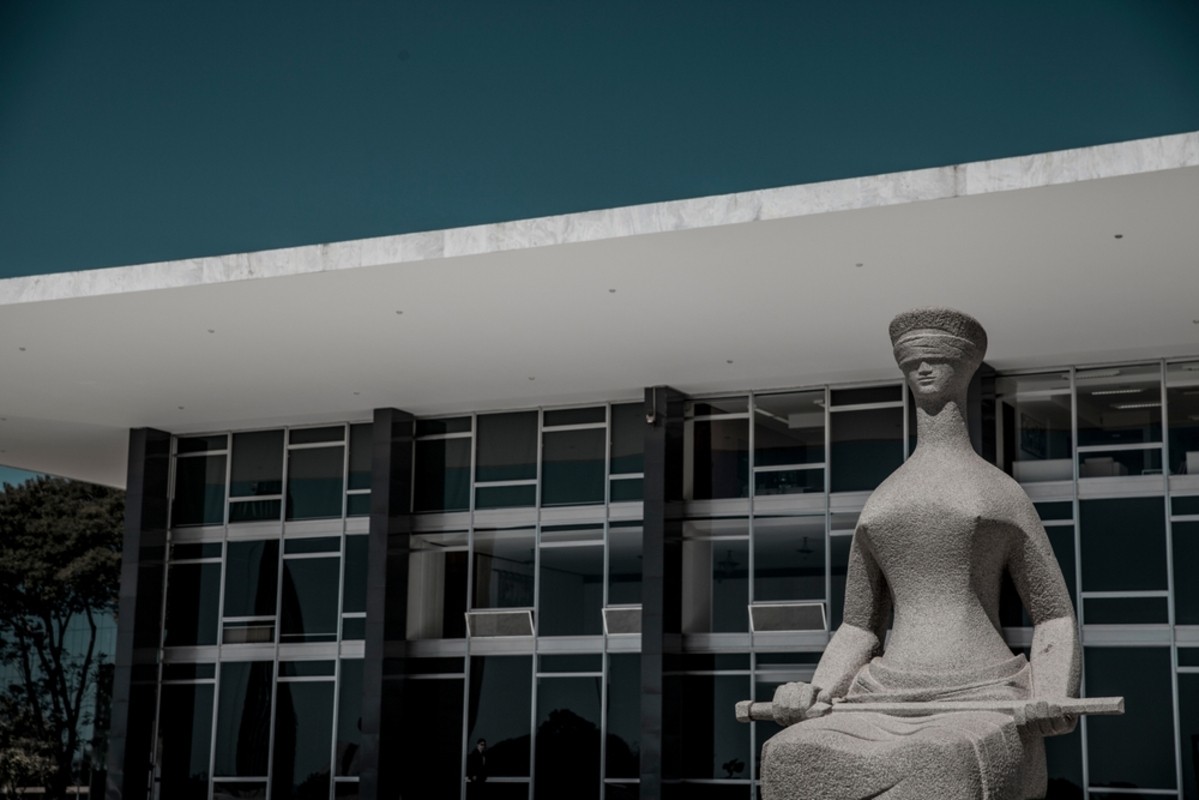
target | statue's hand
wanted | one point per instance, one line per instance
(792, 702)
(1045, 718)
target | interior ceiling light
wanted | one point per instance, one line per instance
(1099, 373)
(1116, 391)
(1129, 406)
(1119, 236)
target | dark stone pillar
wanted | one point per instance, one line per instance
(661, 588)
(980, 412)
(139, 618)
(387, 592)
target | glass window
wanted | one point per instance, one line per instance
(309, 604)
(1186, 588)
(193, 603)
(716, 583)
(839, 556)
(1188, 715)
(442, 476)
(360, 456)
(714, 744)
(349, 718)
(332, 433)
(354, 599)
(1123, 544)
(573, 416)
(1035, 420)
(303, 738)
(789, 558)
(1126, 610)
(199, 491)
(624, 564)
(572, 467)
(200, 444)
(315, 482)
(438, 427)
(789, 429)
(429, 755)
(572, 590)
(1119, 406)
(437, 586)
(867, 446)
(501, 696)
(720, 458)
(892, 393)
(568, 738)
(251, 578)
(507, 447)
(624, 716)
(1135, 749)
(257, 464)
(244, 719)
(1182, 398)
(185, 736)
(628, 438)
(503, 569)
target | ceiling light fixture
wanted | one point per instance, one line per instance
(858, 264)
(1130, 406)
(1119, 236)
(1116, 391)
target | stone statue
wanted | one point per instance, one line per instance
(946, 710)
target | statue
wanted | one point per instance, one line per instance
(946, 709)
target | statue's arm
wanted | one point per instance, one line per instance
(1056, 664)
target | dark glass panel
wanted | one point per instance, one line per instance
(239, 790)
(1123, 544)
(315, 482)
(358, 505)
(252, 578)
(716, 585)
(501, 694)
(706, 662)
(248, 632)
(628, 438)
(257, 464)
(839, 553)
(353, 628)
(572, 591)
(193, 602)
(346, 790)
(788, 481)
(630, 490)
(1126, 611)
(1188, 656)
(1184, 506)
(437, 587)
(185, 734)
(244, 719)
(505, 496)
(200, 444)
(1055, 511)
(360, 456)
(714, 744)
(186, 672)
(1135, 749)
(1119, 406)
(624, 565)
(199, 491)
(1188, 715)
(1182, 398)
(867, 394)
(303, 738)
(309, 605)
(355, 579)
(255, 510)
(583, 662)
(306, 669)
(789, 429)
(318, 544)
(507, 447)
(349, 718)
(1063, 757)
(568, 738)
(720, 458)
(190, 551)
(1035, 411)
(867, 446)
(503, 569)
(442, 475)
(573, 416)
(624, 715)
(1186, 557)
(789, 558)
(333, 433)
(1119, 463)
(433, 427)
(572, 467)
(721, 405)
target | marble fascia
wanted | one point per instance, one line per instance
(982, 177)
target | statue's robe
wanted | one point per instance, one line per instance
(958, 755)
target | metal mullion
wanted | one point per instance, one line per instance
(303, 556)
(1079, 619)
(580, 426)
(828, 511)
(270, 768)
(216, 705)
(470, 585)
(1114, 448)
(228, 480)
(787, 467)
(341, 581)
(253, 497)
(345, 485)
(1185, 518)
(536, 598)
(358, 491)
(1125, 595)
(317, 445)
(202, 454)
(867, 406)
(162, 609)
(625, 476)
(209, 560)
(437, 437)
(604, 656)
(516, 482)
(310, 678)
(715, 417)
(221, 597)
(1170, 596)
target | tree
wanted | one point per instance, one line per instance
(60, 560)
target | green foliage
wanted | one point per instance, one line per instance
(60, 560)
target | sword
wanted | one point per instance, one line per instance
(1022, 710)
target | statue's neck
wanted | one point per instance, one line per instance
(942, 426)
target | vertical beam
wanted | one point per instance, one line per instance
(661, 587)
(386, 590)
(143, 559)
(980, 412)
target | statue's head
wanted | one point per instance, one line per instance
(938, 350)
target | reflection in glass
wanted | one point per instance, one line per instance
(309, 603)
(714, 744)
(867, 446)
(251, 578)
(1118, 463)
(573, 416)
(572, 590)
(503, 569)
(442, 476)
(628, 438)
(1186, 588)
(839, 557)
(1182, 398)
(891, 393)
(193, 602)
(1126, 610)
(500, 697)
(354, 596)
(572, 467)
(507, 447)
(720, 458)
(243, 719)
(624, 715)
(315, 482)
(257, 464)
(429, 757)
(360, 456)
(789, 429)
(715, 585)
(568, 738)
(788, 558)
(624, 564)
(349, 718)
(1135, 749)
(1188, 715)
(199, 491)
(1119, 406)
(1034, 415)
(331, 433)
(505, 496)
(303, 732)
(1123, 544)
(185, 734)
(437, 586)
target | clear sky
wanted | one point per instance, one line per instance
(143, 131)
(14, 476)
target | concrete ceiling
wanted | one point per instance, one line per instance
(757, 305)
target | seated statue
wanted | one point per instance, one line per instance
(931, 546)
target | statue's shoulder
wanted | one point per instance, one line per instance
(1006, 499)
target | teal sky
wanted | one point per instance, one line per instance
(15, 476)
(145, 131)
